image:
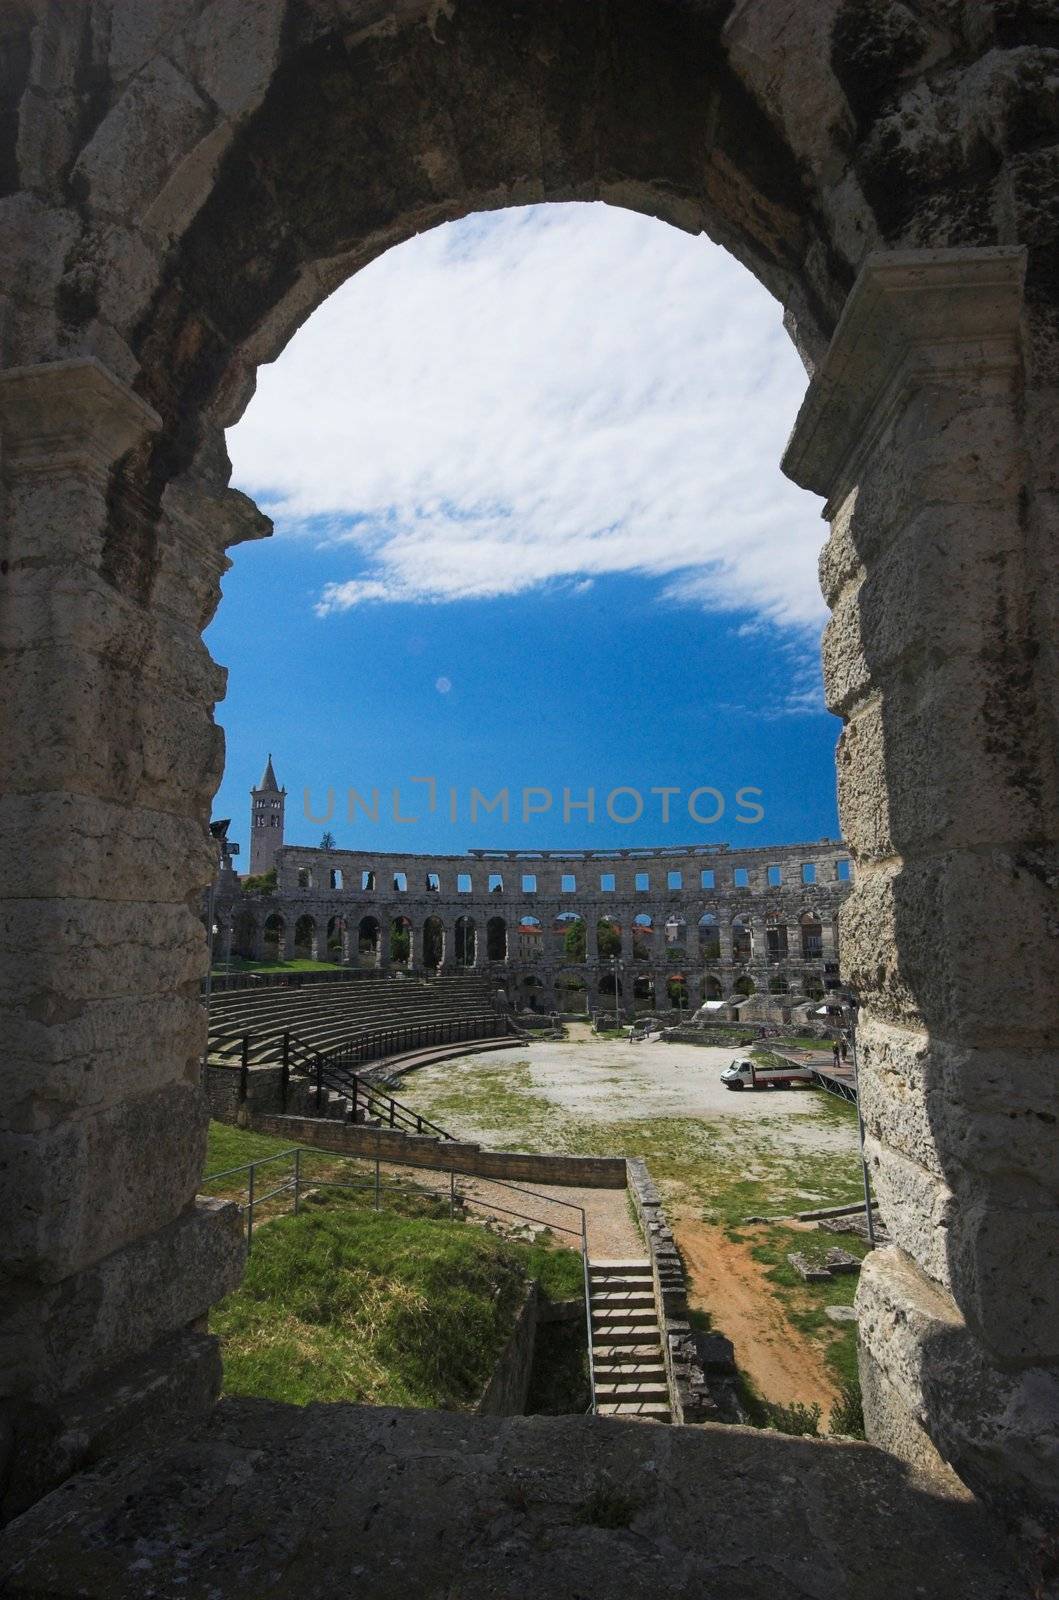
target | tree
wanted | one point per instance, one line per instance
(609, 939)
(264, 883)
(574, 941)
(328, 841)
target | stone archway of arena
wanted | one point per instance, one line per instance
(148, 292)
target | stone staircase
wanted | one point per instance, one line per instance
(628, 1370)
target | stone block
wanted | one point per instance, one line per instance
(81, 1057)
(106, 728)
(115, 948)
(283, 1498)
(959, 1111)
(67, 1190)
(234, 50)
(906, 943)
(60, 1337)
(715, 1352)
(916, 1206)
(841, 1261)
(806, 1269)
(142, 140)
(164, 1394)
(137, 32)
(82, 847)
(998, 1430)
(1004, 1255)
(984, 790)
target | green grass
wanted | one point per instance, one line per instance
(806, 1303)
(241, 964)
(730, 1169)
(725, 1169)
(343, 1303)
(228, 1146)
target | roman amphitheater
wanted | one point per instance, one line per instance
(570, 931)
(181, 185)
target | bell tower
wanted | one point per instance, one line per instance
(266, 821)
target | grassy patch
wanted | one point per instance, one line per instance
(806, 1304)
(343, 1303)
(228, 1146)
(241, 964)
(722, 1169)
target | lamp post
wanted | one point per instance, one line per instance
(616, 964)
(852, 1009)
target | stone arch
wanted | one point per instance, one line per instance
(744, 985)
(572, 936)
(811, 933)
(735, 120)
(273, 933)
(712, 989)
(529, 937)
(676, 934)
(643, 991)
(776, 937)
(709, 937)
(401, 941)
(571, 992)
(466, 952)
(742, 940)
(677, 991)
(372, 948)
(338, 939)
(643, 928)
(305, 938)
(245, 935)
(496, 939)
(433, 942)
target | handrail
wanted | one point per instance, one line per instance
(298, 1182)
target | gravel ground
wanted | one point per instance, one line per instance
(617, 1081)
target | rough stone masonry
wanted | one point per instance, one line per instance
(180, 185)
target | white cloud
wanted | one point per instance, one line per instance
(551, 394)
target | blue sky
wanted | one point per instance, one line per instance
(531, 533)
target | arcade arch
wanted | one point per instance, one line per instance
(869, 222)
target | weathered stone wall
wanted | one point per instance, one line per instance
(505, 1393)
(450, 1155)
(735, 887)
(689, 1394)
(917, 428)
(180, 186)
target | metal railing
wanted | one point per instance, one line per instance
(223, 982)
(382, 1042)
(299, 1183)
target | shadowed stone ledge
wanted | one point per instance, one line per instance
(338, 1500)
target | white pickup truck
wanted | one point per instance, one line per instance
(747, 1075)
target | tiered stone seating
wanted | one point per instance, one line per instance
(325, 1017)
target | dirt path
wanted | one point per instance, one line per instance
(726, 1281)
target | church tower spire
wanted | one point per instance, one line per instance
(266, 821)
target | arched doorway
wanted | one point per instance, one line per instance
(466, 942)
(433, 943)
(371, 943)
(401, 942)
(273, 937)
(338, 940)
(496, 939)
(706, 126)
